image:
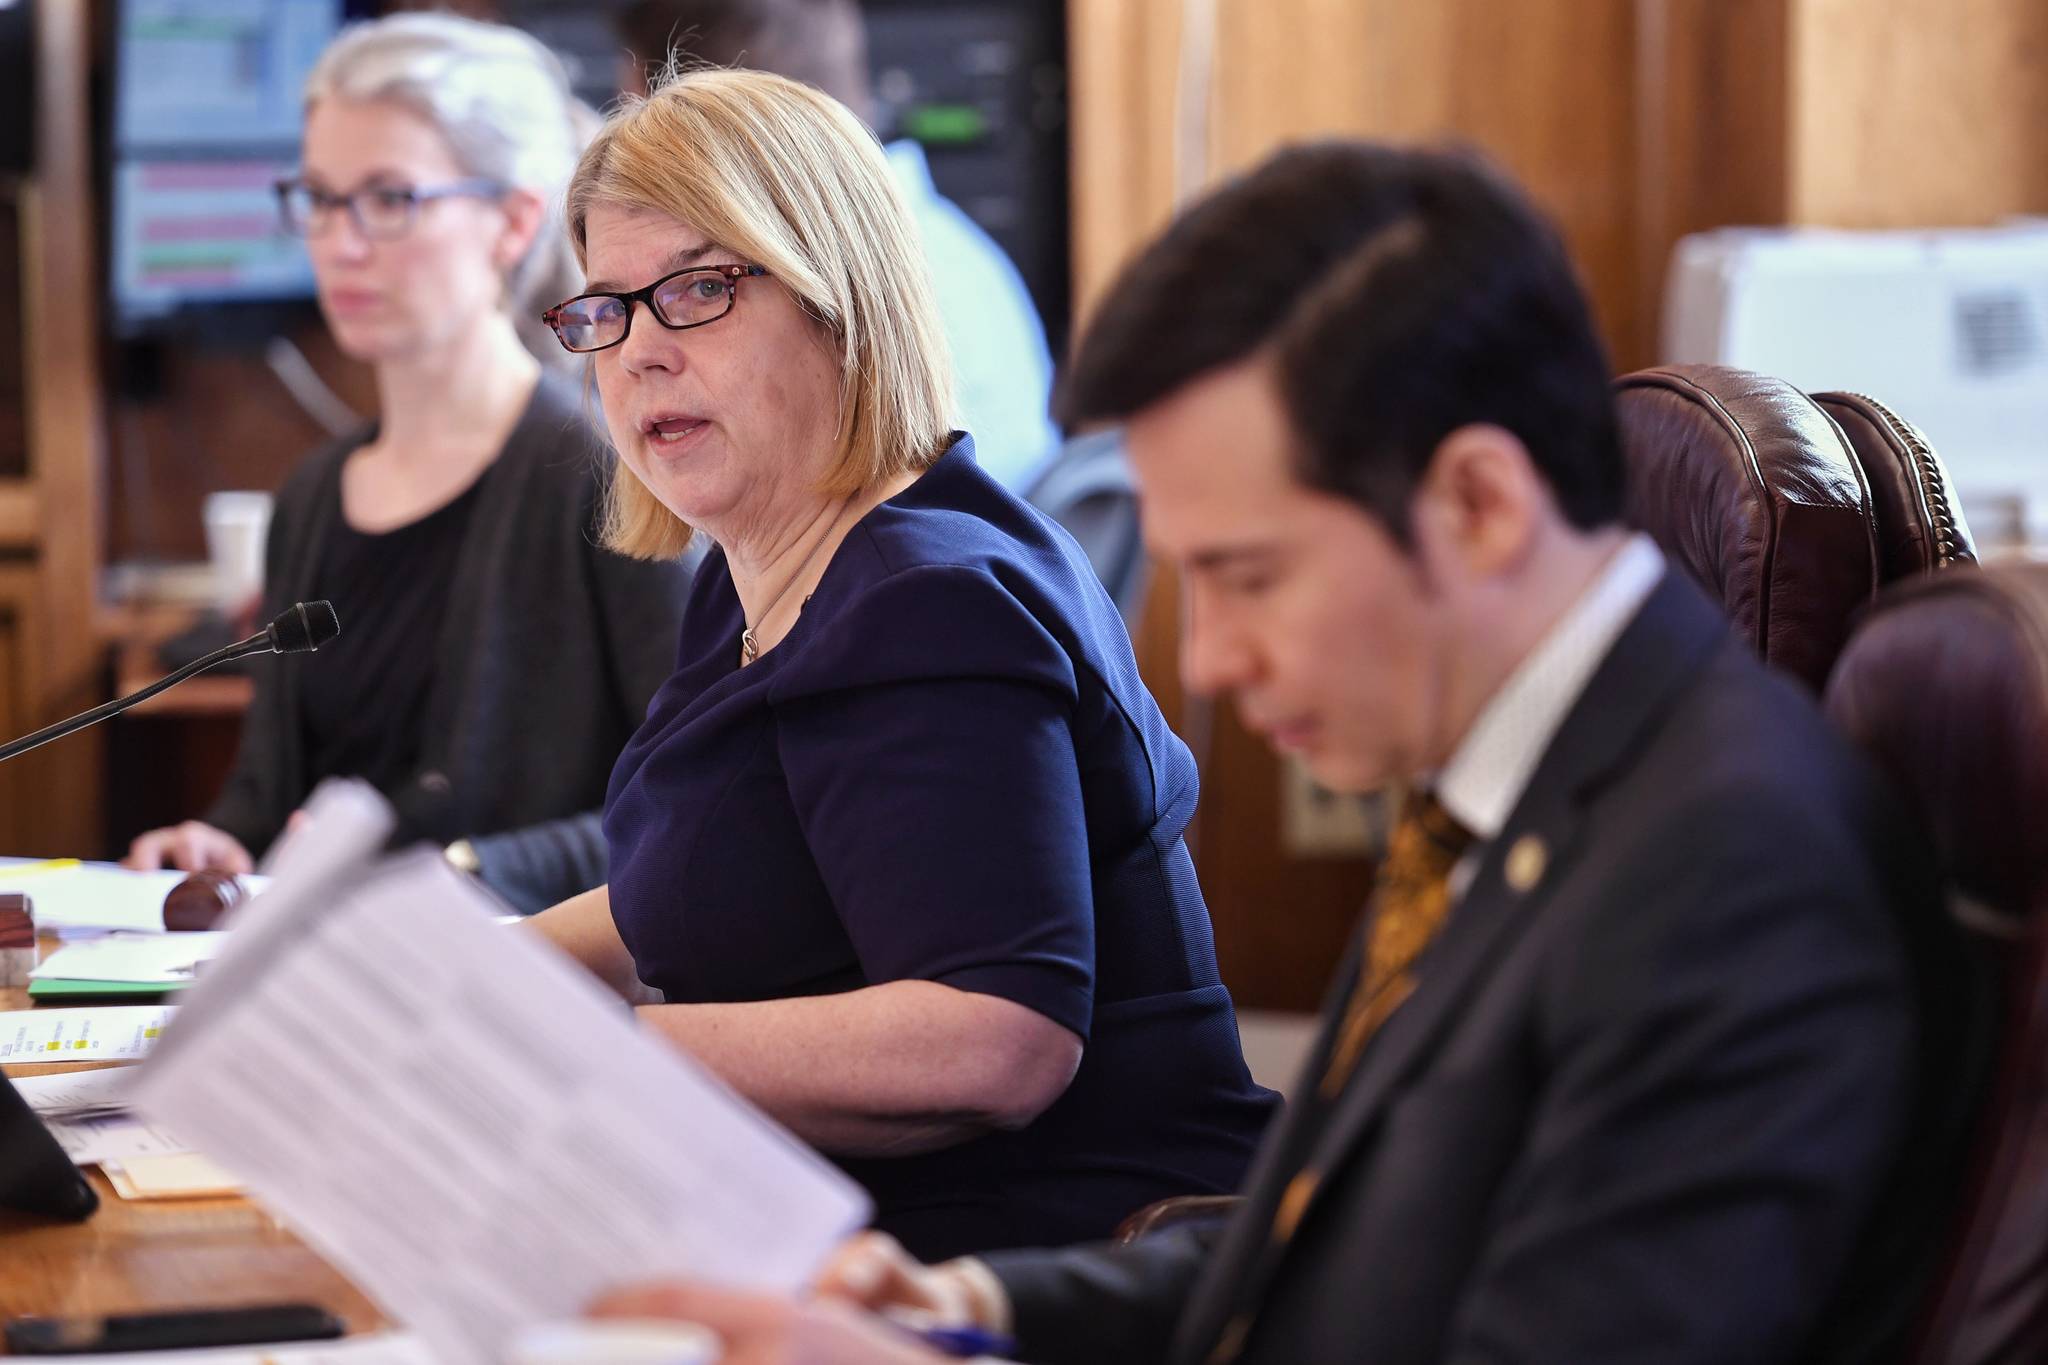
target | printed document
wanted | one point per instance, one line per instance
(109, 1033)
(111, 1137)
(462, 1120)
(76, 1094)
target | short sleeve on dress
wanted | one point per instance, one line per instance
(927, 738)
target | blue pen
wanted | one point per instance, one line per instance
(950, 1339)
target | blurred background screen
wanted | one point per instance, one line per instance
(205, 119)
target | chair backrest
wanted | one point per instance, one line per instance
(1920, 522)
(1088, 490)
(1751, 487)
(1946, 687)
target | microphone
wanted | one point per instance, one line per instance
(299, 629)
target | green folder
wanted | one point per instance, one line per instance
(51, 988)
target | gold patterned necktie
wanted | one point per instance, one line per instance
(1411, 900)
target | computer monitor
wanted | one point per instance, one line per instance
(206, 117)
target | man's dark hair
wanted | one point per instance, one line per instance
(1402, 294)
(818, 42)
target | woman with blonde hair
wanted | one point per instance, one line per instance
(493, 659)
(898, 848)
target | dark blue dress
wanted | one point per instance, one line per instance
(949, 771)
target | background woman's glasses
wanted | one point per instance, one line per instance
(380, 212)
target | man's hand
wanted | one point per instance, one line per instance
(762, 1330)
(191, 847)
(875, 1272)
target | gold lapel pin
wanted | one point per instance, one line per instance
(1526, 863)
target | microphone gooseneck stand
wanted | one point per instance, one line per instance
(303, 627)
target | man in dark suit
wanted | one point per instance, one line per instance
(1626, 1049)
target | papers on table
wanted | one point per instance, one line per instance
(87, 1112)
(109, 1033)
(76, 1094)
(111, 1138)
(78, 900)
(159, 959)
(462, 1120)
(168, 1175)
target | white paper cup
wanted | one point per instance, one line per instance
(237, 524)
(619, 1341)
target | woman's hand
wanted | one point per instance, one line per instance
(194, 846)
(874, 1272)
(760, 1330)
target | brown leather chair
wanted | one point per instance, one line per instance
(1919, 522)
(1175, 1211)
(1791, 509)
(1946, 686)
(1752, 488)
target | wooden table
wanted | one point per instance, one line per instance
(136, 1256)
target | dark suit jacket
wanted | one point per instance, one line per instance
(1637, 1112)
(549, 651)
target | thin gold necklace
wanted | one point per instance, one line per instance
(749, 650)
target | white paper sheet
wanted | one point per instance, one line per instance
(169, 959)
(466, 1124)
(63, 1094)
(106, 1033)
(169, 1175)
(111, 1137)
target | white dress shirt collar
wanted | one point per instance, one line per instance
(1492, 765)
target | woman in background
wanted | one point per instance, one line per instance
(493, 659)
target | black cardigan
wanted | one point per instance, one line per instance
(550, 650)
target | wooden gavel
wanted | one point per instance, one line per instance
(201, 899)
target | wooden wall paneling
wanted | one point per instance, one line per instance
(1544, 89)
(1712, 111)
(14, 580)
(13, 413)
(1916, 113)
(10, 698)
(20, 790)
(1124, 62)
(20, 515)
(54, 793)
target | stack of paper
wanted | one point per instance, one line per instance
(459, 1118)
(87, 1112)
(125, 964)
(76, 1094)
(174, 1174)
(113, 1138)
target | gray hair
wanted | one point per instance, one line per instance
(503, 103)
